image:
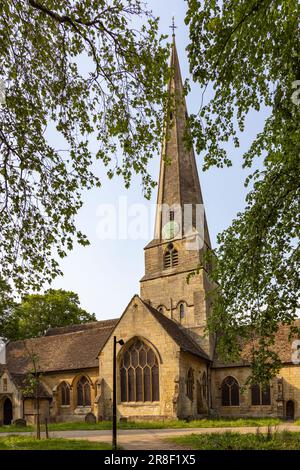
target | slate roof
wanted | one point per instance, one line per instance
(77, 346)
(68, 349)
(282, 347)
(178, 334)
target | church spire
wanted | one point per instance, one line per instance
(178, 180)
(174, 253)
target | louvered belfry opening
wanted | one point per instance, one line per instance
(139, 374)
(170, 257)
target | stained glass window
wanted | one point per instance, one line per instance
(139, 373)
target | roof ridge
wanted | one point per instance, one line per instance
(46, 337)
(74, 332)
(84, 324)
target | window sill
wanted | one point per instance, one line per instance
(139, 403)
(230, 406)
(82, 410)
(259, 406)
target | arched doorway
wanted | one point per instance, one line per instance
(7, 411)
(290, 410)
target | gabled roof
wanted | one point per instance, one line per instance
(68, 349)
(21, 383)
(178, 333)
(78, 346)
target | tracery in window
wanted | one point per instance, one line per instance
(230, 392)
(83, 392)
(170, 256)
(139, 373)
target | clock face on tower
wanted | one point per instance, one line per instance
(170, 230)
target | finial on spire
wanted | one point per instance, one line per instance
(173, 27)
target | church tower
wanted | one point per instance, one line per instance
(181, 234)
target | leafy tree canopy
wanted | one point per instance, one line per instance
(81, 69)
(37, 312)
(249, 51)
(84, 69)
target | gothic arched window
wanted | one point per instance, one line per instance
(64, 393)
(139, 373)
(190, 383)
(230, 392)
(260, 395)
(170, 256)
(83, 392)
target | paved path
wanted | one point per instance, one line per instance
(155, 439)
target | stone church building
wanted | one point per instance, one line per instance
(167, 367)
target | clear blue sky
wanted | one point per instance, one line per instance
(106, 274)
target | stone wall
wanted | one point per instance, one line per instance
(72, 412)
(137, 321)
(9, 390)
(30, 410)
(188, 259)
(198, 406)
(289, 377)
(171, 290)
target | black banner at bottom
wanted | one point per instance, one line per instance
(136, 459)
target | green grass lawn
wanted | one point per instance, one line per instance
(30, 443)
(202, 423)
(235, 441)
